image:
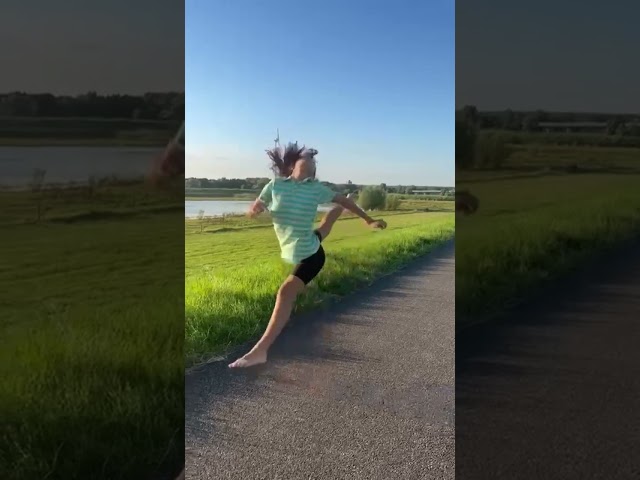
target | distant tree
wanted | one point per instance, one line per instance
(530, 123)
(465, 144)
(393, 202)
(262, 182)
(470, 115)
(507, 119)
(191, 183)
(492, 151)
(150, 106)
(540, 116)
(372, 198)
(613, 125)
(622, 129)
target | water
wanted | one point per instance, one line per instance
(217, 208)
(73, 164)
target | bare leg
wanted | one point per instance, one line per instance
(285, 299)
(327, 222)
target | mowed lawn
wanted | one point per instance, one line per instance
(91, 348)
(529, 230)
(232, 275)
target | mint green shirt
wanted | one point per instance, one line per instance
(294, 205)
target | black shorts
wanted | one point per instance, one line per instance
(310, 267)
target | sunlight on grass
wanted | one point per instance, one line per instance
(232, 277)
(91, 349)
(519, 238)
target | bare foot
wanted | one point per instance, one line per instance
(250, 359)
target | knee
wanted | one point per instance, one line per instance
(288, 291)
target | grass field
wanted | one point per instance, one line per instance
(39, 131)
(570, 139)
(220, 194)
(233, 271)
(91, 336)
(533, 227)
(408, 202)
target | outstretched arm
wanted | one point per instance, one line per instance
(263, 200)
(350, 205)
(257, 208)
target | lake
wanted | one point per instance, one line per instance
(73, 164)
(217, 208)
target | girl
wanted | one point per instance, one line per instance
(293, 198)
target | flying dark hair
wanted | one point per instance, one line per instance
(283, 160)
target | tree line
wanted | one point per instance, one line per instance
(538, 120)
(260, 182)
(149, 106)
(487, 139)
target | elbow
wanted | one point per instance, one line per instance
(341, 200)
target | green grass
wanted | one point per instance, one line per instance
(531, 229)
(38, 131)
(571, 139)
(91, 339)
(220, 194)
(70, 204)
(412, 202)
(232, 272)
(591, 158)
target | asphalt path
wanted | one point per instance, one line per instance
(363, 389)
(552, 390)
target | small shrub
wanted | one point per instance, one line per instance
(492, 151)
(466, 138)
(372, 198)
(393, 202)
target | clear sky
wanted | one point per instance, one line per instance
(369, 83)
(573, 55)
(74, 46)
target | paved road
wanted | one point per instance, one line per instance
(554, 391)
(364, 390)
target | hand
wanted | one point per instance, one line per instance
(256, 209)
(379, 224)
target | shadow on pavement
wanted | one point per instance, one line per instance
(304, 346)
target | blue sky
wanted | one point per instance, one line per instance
(370, 84)
(575, 55)
(71, 47)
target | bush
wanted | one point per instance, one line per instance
(393, 202)
(372, 198)
(492, 151)
(466, 137)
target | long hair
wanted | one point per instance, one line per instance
(283, 160)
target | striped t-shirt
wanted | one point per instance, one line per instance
(293, 205)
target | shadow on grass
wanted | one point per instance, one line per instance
(53, 432)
